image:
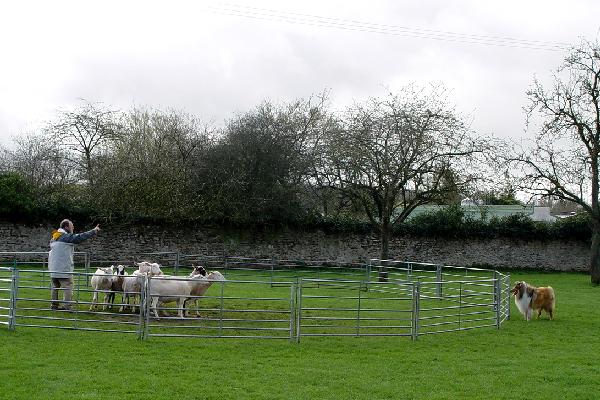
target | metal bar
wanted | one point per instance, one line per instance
(146, 282)
(221, 309)
(13, 298)
(459, 304)
(439, 277)
(299, 311)
(292, 310)
(358, 314)
(497, 298)
(508, 297)
(415, 312)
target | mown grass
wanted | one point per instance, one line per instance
(540, 359)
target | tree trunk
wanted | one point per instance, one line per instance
(595, 254)
(385, 246)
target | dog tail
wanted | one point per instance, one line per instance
(551, 295)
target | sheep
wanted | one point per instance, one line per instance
(201, 288)
(170, 289)
(102, 281)
(117, 284)
(132, 284)
(150, 269)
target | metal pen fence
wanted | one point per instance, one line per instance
(275, 299)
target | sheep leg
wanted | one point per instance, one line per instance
(154, 306)
(181, 306)
(124, 302)
(94, 300)
(111, 299)
(105, 305)
(197, 309)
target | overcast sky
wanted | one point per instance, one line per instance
(215, 59)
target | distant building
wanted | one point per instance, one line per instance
(476, 211)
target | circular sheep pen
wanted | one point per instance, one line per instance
(263, 298)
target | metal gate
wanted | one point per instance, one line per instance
(7, 297)
(417, 299)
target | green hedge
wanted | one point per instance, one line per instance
(451, 222)
(20, 202)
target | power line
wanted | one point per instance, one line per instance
(392, 30)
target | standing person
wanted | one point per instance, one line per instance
(60, 260)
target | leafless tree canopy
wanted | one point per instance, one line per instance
(395, 153)
(83, 132)
(563, 160)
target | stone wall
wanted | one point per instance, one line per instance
(121, 242)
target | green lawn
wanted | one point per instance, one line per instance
(540, 359)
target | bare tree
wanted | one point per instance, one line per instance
(563, 160)
(84, 130)
(148, 172)
(396, 153)
(40, 161)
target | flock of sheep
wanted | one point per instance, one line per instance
(162, 288)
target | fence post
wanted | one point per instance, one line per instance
(144, 309)
(415, 310)
(439, 278)
(86, 266)
(507, 297)
(221, 307)
(292, 310)
(460, 290)
(358, 313)
(14, 287)
(497, 298)
(368, 277)
(176, 263)
(273, 262)
(298, 310)
(141, 315)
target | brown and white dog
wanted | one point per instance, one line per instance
(528, 298)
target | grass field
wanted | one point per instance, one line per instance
(540, 359)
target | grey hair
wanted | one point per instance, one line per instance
(64, 224)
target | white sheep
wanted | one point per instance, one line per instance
(150, 269)
(102, 282)
(200, 288)
(132, 284)
(173, 289)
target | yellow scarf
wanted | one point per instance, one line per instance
(56, 234)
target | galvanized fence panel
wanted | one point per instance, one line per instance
(279, 301)
(33, 306)
(505, 297)
(229, 309)
(464, 305)
(39, 259)
(332, 307)
(274, 270)
(6, 296)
